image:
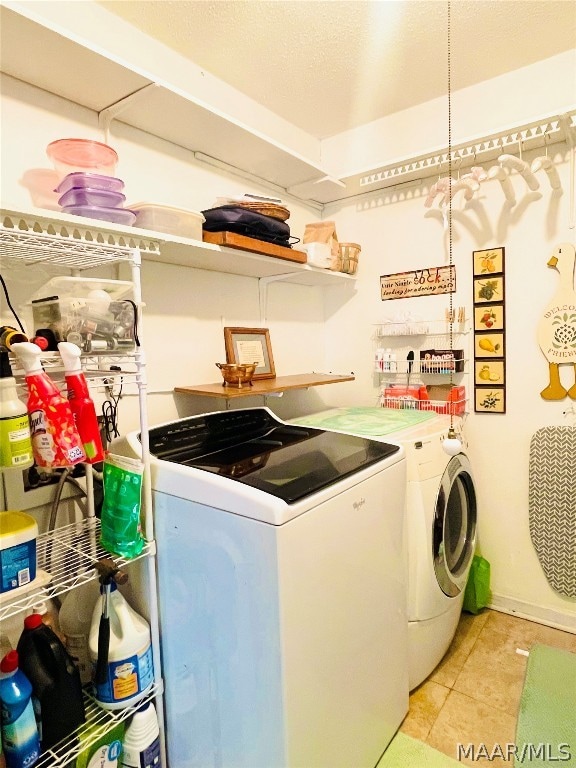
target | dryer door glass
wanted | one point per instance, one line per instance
(454, 534)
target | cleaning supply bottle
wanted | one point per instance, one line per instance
(55, 439)
(49, 614)
(142, 739)
(75, 622)
(55, 680)
(15, 442)
(129, 671)
(81, 403)
(19, 730)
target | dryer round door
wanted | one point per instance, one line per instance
(454, 531)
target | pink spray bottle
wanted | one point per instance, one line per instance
(81, 403)
(55, 439)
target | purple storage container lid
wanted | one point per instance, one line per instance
(82, 195)
(115, 215)
(94, 180)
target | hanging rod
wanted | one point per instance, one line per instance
(529, 136)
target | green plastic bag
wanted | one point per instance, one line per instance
(477, 593)
(121, 531)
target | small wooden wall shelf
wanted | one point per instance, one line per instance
(264, 386)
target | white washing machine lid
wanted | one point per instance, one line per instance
(250, 463)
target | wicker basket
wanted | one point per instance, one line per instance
(267, 209)
(349, 253)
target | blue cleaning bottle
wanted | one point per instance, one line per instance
(19, 730)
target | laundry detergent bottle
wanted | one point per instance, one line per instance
(15, 443)
(55, 439)
(20, 738)
(81, 403)
(130, 668)
(54, 678)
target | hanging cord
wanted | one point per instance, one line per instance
(110, 413)
(10, 305)
(135, 324)
(450, 254)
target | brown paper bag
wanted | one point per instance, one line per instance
(324, 232)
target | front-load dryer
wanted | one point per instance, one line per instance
(441, 513)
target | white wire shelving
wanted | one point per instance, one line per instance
(66, 556)
(65, 559)
(98, 722)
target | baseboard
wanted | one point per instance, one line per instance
(525, 610)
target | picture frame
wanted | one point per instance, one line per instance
(490, 372)
(489, 317)
(250, 345)
(490, 400)
(489, 345)
(488, 290)
(488, 262)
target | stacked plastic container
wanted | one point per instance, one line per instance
(88, 186)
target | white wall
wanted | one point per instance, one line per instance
(533, 92)
(398, 233)
(186, 309)
(312, 329)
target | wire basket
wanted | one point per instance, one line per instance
(348, 253)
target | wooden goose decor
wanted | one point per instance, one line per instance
(557, 329)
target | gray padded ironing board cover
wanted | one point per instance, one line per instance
(552, 505)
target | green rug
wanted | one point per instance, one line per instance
(546, 728)
(406, 752)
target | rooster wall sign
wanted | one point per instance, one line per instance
(557, 328)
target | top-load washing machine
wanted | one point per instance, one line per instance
(281, 591)
(441, 514)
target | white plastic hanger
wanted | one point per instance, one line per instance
(545, 164)
(511, 161)
(500, 173)
(466, 184)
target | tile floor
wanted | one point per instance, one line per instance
(473, 694)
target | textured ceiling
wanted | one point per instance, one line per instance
(331, 65)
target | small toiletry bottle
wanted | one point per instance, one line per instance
(15, 442)
(19, 730)
(81, 403)
(55, 439)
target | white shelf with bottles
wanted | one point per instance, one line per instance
(417, 360)
(66, 555)
(400, 347)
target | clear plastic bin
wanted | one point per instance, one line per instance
(115, 215)
(97, 315)
(174, 221)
